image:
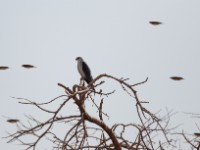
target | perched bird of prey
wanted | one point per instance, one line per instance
(84, 70)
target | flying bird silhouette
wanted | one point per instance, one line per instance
(177, 78)
(12, 120)
(3, 67)
(28, 66)
(155, 23)
(197, 134)
(84, 70)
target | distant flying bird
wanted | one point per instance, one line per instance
(177, 78)
(155, 23)
(12, 120)
(3, 67)
(197, 134)
(28, 66)
(84, 70)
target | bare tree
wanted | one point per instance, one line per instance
(86, 131)
(193, 139)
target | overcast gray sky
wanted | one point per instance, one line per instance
(113, 37)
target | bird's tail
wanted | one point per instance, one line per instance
(88, 80)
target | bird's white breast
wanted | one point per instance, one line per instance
(80, 68)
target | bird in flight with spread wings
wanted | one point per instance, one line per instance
(84, 70)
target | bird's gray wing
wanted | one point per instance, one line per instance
(86, 69)
(87, 72)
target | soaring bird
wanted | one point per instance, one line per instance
(84, 70)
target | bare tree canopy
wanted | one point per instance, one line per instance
(86, 131)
